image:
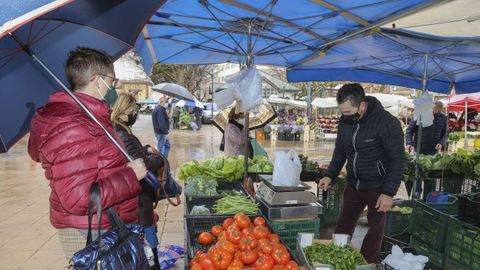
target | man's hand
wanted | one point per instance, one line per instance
(324, 183)
(409, 148)
(384, 203)
(438, 147)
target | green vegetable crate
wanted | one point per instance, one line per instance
(436, 258)
(429, 222)
(398, 222)
(288, 230)
(463, 245)
(331, 201)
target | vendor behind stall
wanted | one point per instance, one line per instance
(371, 140)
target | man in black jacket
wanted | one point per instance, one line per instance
(371, 140)
(161, 125)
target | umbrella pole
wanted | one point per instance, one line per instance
(246, 126)
(419, 139)
(466, 122)
(152, 179)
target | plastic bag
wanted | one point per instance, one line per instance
(168, 256)
(199, 210)
(286, 172)
(245, 87)
(405, 261)
(424, 110)
(193, 125)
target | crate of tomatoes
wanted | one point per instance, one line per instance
(239, 242)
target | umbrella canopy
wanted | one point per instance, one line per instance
(51, 32)
(262, 116)
(174, 90)
(284, 33)
(459, 103)
(400, 58)
(183, 103)
(148, 101)
(389, 100)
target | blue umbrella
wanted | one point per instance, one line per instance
(272, 32)
(401, 58)
(34, 44)
(283, 33)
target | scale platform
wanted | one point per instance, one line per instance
(283, 195)
(291, 212)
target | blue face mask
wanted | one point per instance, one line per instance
(111, 96)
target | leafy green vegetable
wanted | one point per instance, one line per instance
(235, 205)
(200, 186)
(341, 258)
(403, 210)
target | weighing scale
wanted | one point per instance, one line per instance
(287, 202)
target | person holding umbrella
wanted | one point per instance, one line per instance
(75, 152)
(234, 134)
(370, 140)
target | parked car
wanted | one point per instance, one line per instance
(207, 117)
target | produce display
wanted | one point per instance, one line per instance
(235, 204)
(200, 186)
(310, 166)
(403, 210)
(241, 244)
(329, 123)
(225, 168)
(341, 258)
(462, 162)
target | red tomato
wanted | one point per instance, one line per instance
(222, 236)
(279, 267)
(292, 265)
(280, 255)
(235, 267)
(206, 262)
(274, 238)
(216, 230)
(196, 266)
(261, 232)
(234, 236)
(221, 258)
(265, 262)
(242, 221)
(249, 256)
(227, 222)
(266, 246)
(259, 221)
(227, 245)
(247, 243)
(237, 261)
(205, 238)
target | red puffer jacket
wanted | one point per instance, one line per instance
(75, 153)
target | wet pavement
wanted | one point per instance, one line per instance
(28, 241)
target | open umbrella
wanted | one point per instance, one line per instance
(183, 103)
(263, 115)
(174, 90)
(272, 32)
(34, 44)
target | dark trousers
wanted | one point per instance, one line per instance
(175, 122)
(353, 204)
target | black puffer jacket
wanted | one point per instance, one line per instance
(374, 149)
(152, 162)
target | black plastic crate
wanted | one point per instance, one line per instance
(331, 201)
(388, 242)
(397, 223)
(435, 258)
(469, 208)
(429, 223)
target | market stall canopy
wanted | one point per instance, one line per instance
(283, 33)
(183, 103)
(457, 103)
(174, 90)
(273, 99)
(263, 115)
(329, 102)
(401, 58)
(452, 18)
(389, 100)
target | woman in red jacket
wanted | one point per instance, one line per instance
(75, 152)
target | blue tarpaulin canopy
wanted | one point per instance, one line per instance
(401, 58)
(284, 33)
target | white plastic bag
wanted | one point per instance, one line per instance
(405, 261)
(286, 172)
(424, 109)
(245, 87)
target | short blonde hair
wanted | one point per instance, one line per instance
(124, 102)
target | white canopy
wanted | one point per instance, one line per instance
(273, 99)
(459, 18)
(329, 102)
(389, 100)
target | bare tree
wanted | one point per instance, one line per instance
(189, 76)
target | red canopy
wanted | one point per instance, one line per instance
(456, 103)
